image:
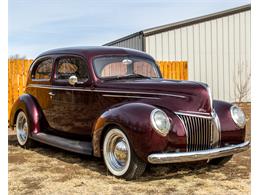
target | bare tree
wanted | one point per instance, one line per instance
(17, 57)
(242, 85)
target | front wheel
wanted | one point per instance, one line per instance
(119, 157)
(22, 131)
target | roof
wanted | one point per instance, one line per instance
(175, 25)
(90, 51)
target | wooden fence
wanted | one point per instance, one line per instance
(17, 77)
(18, 69)
(174, 69)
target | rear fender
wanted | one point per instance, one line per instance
(32, 110)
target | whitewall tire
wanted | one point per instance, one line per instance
(120, 159)
(22, 130)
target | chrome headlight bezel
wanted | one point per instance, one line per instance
(160, 130)
(238, 118)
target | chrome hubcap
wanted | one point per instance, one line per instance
(120, 152)
(116, 152)
(21, 128)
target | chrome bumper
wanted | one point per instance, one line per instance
(163, 158)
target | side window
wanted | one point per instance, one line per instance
(43, 70)
(68, 66)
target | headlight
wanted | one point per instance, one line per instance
(160, 122)
(238, 116)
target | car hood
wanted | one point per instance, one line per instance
(182, 96)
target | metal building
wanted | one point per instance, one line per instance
(216, 47)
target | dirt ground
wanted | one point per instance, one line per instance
(47, 170)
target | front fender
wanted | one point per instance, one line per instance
(134, 120)
(27, 104)
(230, 132)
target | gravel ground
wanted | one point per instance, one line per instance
(47, 170)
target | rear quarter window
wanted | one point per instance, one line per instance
(43, 70)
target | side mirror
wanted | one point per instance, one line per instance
(73, 80)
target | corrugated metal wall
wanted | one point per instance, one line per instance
(135, 42)
(216, 51)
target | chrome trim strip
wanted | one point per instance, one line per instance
(218, 125)
(57, 88)
(127, 96)
(210, 97)
(102, 91)
(201, 129)
(194, 115)
(163, 158)
(186, 131)
(206, 86)
(194, 112)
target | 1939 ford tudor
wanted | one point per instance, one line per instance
(113, 103)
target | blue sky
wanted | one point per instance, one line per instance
(39, 25)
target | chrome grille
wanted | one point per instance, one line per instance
(202, 132)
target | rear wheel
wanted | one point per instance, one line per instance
(22, 130)
(220, 161)
(119, 157)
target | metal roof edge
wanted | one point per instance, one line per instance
(124, 38)
(196, 20)
(171, 26)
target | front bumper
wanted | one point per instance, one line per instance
(163, 158)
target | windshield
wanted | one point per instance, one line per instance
(125, 67)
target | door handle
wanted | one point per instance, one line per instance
(51, 94)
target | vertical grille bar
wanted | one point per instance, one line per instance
(200, 132)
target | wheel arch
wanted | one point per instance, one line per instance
(104, 132)
(15, 116)
(230, 132)
(222, 109)
(27, 104)
(127, 118)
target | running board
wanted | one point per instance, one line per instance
(81, 147)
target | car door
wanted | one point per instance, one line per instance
(71, 102)
(40, 84)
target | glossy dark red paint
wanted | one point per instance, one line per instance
(134, 119)
(29, 105)
(230, 132)
(85, 111)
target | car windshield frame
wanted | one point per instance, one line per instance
(151, 62)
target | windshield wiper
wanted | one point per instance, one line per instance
(134, 76)
(127, 77)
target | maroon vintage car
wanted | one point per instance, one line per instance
(113, 102)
